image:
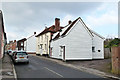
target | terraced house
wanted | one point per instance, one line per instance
(3, 39)
(30, 44)
(43, 38)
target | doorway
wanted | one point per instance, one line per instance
(62, 52)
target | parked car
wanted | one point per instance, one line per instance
(20, 56)
(10, 52)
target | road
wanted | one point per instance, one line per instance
(41, 68)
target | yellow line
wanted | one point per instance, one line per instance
(54, 72)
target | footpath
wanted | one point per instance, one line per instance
(0, 69)
(8, 70)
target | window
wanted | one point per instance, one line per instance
(45, 46)
(38, 46)
(45, 36)
(42, 37)
(41, 45)
(93, 49)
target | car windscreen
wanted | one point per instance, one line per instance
(21, 53)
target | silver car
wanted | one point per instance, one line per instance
(20, 56)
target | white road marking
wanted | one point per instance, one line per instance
(53, 72)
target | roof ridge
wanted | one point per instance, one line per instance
(70, 26)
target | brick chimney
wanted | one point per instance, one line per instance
(57, 24)
(14, 40)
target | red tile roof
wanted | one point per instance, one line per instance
(50, 29)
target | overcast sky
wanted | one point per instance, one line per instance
(22, 19)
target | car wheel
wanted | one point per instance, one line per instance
(27, 62)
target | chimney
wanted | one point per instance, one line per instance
(34, 33)
(57, 24)
(14, 40)
(69, 22)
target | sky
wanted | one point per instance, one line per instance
(22, 19)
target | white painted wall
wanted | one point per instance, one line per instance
(78, 44)
(30, 44)
(98, 43)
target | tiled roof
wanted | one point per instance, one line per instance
(50, 29)
(24, 39)
(57, 36)
(70, 26)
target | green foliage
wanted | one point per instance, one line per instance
(114, 42)
(106, 46)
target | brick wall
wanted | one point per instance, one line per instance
(0, 41)
(1, 33)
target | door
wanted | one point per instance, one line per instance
(62, 51)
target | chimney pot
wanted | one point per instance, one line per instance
(34, 32)
(69, 22)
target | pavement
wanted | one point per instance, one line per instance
(8, 71)
(0, 69)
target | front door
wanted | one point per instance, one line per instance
(41, 51)
(63, 52)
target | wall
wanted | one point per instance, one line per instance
(1, 36)
(107, 53)
(78, 44)
(44, 40)
(116, 60)
(30, 44)
(98, 43)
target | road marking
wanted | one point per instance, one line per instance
(54, 72)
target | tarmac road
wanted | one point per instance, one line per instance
(40, 68)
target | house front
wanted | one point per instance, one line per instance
(3, 38)
(43, 38)
(13, 45)
(30, 44)
(77, 42)
(20, 44)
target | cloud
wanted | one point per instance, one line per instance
(23, 18)
(65, 20)
(104, 19)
